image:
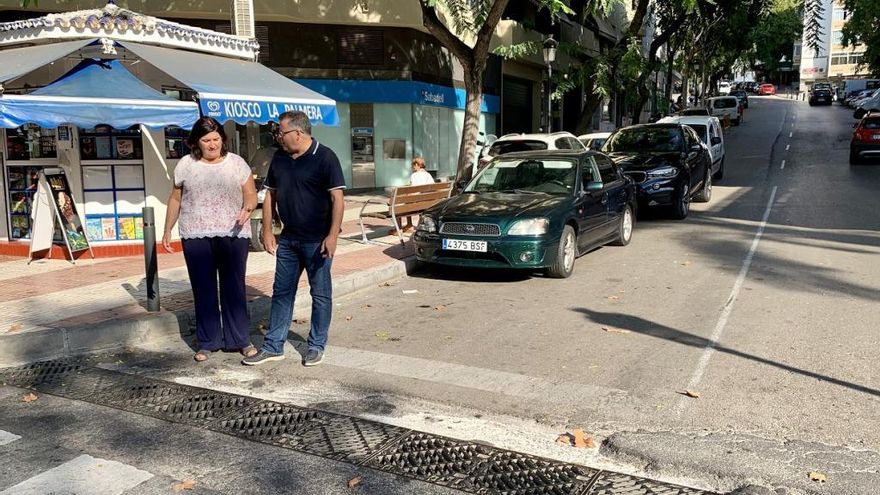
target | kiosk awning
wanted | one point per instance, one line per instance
(238, 90)
(16, 62)
(97, 92)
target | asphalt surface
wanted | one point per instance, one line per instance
(763, 302)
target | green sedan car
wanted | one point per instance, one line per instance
(531, 210)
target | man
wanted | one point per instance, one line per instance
(305, 182)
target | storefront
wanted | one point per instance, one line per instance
(384, 124)
(107, 96)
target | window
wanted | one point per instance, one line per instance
(840, 14)
(30, 142)
(21, 182)
(107, 143)
(175, 142)
(114, 198)
(836, 37)
(394, 149)
(563, 144)
(590, 172)
(607, 171)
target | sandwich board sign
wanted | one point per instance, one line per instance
(54, 199)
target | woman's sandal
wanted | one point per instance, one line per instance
(249, 351)
(201, 356)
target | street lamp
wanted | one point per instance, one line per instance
(549, 57)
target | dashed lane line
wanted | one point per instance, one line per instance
(728, 306)
(83, 475)
(782, 167)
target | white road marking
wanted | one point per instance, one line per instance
(6, 437)
(728, 306)
(787, 146)
(782, 167)
(790, 134)
(84, 475)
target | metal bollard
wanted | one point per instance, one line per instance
(150, 260)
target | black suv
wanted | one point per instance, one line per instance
(820, 95)
(668, 163)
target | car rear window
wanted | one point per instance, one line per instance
(871, 124)
(501, 148)
(644, 139)
(725, 103)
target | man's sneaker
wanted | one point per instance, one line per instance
(313, 357)
(261, 357)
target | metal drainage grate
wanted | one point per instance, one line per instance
(622, 484)
(457, 464)
(43, 372)
(436, 459)
(511, 473)
(270, 422)
(343, 438)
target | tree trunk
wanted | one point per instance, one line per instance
(473, 80)
(585, 121)
(670, 67)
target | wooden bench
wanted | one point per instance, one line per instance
(405, 201)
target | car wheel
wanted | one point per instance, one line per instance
(854, 158)
(565, 254)
(720, 173)
(256, 240)
(705, 193)
(682, 205)
(625, 227)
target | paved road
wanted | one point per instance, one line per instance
(763, 301)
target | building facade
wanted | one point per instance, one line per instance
(832, 61)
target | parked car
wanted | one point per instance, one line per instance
(869, 104)
(695, 111)
(532, 210)
(668, 163)
(820, 94)
(725, 106)
(509, 143)
(594, 140)
(742, 96)
(709, 131)
(865, 141)
(767, 89)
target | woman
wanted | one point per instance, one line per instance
(213, 197)
(419, 177)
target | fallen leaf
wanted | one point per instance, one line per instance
(16, 327)
(440, 307)
(348, 318)
(685, 263)
(354, 481)
(29, 397)
(382, 335)
(184, 485)
(691, 393)
(386, 284)
(565, 438)
(394, 339)
(613, 298)
(365, 306)
(817, 476)
(615, 330)
(582, 442)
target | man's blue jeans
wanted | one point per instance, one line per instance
(292, 257)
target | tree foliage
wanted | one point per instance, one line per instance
(862, 28)
(776, 33)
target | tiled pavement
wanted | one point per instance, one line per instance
(55, 294)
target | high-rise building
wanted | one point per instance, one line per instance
(832, 61)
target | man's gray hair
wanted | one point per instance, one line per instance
(298, 120)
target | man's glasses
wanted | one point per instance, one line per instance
(280, 133)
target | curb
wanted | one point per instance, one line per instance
(53, 343)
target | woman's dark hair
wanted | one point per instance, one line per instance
(203, 127)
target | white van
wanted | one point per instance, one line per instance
(724, 105)
(709, 130)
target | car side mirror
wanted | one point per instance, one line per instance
(594, 186)
(716, 140)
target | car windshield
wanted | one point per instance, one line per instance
(503, 147)
(526, 175)
(645, 139)
(701, 130)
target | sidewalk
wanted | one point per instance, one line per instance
(52, 308)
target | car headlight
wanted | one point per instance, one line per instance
(529, 226)
(427, 224)
(663, 172)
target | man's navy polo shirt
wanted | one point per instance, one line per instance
(300, 187)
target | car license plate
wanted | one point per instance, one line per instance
(876, 137)
(464, 245)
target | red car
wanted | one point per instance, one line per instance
(767, 89)
(866, 139)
